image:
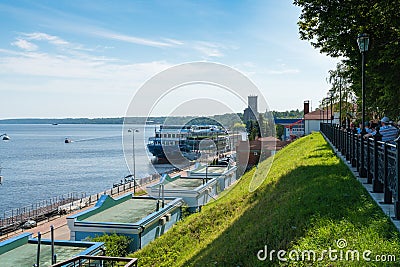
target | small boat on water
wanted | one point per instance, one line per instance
(1, 178)
(5, 137)
(67, 141)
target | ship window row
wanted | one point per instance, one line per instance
(169, 135)
(168, 143)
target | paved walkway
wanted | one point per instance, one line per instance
(388, 209)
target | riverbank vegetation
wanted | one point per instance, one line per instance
(309, 201)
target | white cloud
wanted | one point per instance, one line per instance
(72, 61)
(173, 41)
(40, 36)
(25, 45)
(208, 49)
(282, 71)
(252, 69)
(84, 72)
(136, 40)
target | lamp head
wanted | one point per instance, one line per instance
(363, 42)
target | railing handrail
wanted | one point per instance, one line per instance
(69, 201)
(131, 262)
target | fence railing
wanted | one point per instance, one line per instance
(43, 210)
(375, 160)
(38, 211)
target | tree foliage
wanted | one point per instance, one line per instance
(289, 114)
(116, 245)
(332, 26)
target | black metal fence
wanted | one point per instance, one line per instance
(375, 160)
(39, 211)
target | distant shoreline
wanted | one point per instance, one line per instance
(226, 119)
(136, 120)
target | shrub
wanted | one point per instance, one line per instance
(116, 245)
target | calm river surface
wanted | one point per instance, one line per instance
(37, 164)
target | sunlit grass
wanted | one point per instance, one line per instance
(308, 202)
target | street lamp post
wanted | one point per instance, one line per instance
(327, 103)
(133, 131)
(363, 42)
(340, 101)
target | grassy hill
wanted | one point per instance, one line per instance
(309, 201)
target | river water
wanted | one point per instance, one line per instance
(37, 164)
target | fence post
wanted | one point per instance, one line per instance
(369, 176)
(339, 145)
(347, 142)
(377, 186)
(360, 161)
(387, 194)
(333, 129)
(397, 196)
(353, 150)
(340, 134)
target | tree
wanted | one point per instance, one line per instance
(332, 27)
(253, 130)
(340, 81)
(239, 126)
(279, 131)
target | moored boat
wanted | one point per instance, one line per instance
(179, 142)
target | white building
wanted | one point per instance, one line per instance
(313, 119)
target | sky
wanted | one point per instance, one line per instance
(70, 58)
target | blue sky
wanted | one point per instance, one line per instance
(70, 58)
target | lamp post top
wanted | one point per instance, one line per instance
(363, 42)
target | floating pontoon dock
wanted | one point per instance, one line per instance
(140, 218)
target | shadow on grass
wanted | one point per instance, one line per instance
(281, 214)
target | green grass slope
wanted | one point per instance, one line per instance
(309, 201)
